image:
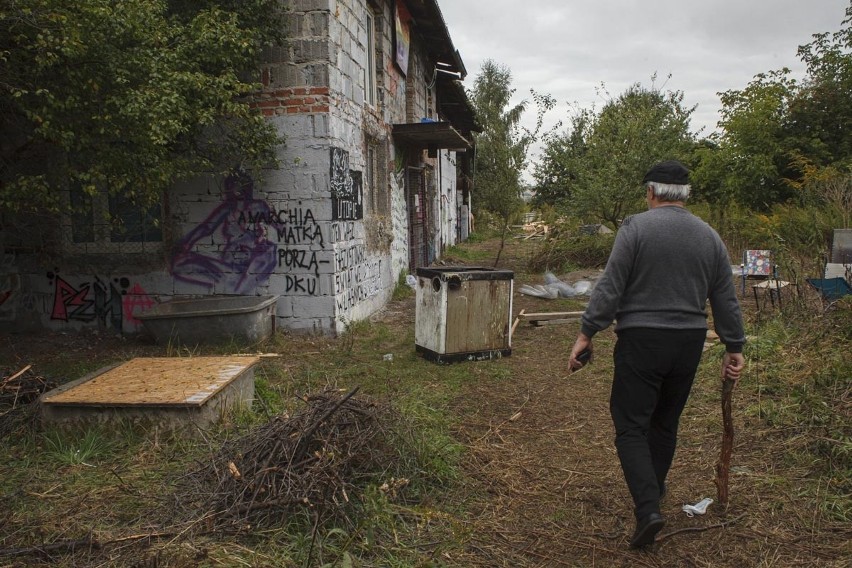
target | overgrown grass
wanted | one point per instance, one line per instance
(122, 474)
(801, 391)
(60, 486)
(563, 253)
(465, 255)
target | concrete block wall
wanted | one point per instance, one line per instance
(278, 231)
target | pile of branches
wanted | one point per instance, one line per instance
(19, 394)
(313, 459)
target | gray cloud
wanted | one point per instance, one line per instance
(568, 48)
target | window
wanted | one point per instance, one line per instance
(370, 87)
(112, 223)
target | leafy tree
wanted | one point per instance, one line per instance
(557, 173)
(502, 146)
(820, 115)
(129, 96)
(754, 155)
(777, 133)
(604, 156)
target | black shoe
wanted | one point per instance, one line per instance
(646, 530)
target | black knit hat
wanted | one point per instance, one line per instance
(670, 171)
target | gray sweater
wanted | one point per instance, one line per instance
(665, 264)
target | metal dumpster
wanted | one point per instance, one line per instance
(463, 313)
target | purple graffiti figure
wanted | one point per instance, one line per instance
(243, 258)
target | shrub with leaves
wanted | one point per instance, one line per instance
(564, 252)
(128, 97)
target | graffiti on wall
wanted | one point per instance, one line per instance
(399, 220)
(347, 191)
(301, 259)
(240, 254)
(244, 240)
(10, 287)
(357, 277)
(114, 304)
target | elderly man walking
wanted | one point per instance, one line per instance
(665, 264)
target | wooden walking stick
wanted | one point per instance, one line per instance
(723, 466)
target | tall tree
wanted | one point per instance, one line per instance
(502, 146)
(778, 133)
(128, 97)
(557, 173)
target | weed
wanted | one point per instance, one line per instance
(402, 290)
(68, 448)
(465, 255)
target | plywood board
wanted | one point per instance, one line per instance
(155, 381)
(478, 316)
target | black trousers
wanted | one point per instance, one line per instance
(654, 371)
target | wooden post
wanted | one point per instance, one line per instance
(723, 466)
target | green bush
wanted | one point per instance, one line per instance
(562, 253)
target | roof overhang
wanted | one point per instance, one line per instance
(454, 105)
(429, 22)
(431, 135)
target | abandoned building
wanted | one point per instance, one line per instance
(374, 181)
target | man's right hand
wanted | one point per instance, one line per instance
(732, 366)
(580, 345)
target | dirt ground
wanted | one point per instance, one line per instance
(550, 490)
(545, 485)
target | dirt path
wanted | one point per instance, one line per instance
(549, 490)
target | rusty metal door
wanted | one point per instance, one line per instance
(415, 189)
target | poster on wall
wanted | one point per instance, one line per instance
(402, 36)
(347, 191)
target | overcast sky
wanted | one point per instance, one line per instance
(567, 48)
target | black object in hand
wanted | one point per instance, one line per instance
(584, 356)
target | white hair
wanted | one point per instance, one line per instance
(669, 191)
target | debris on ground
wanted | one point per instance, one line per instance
(19, 393)
(555, 288)
(550, 318)
(311, 460)
(532, 230)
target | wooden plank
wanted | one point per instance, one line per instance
(156, 381)
(539, 323)
(550, 315)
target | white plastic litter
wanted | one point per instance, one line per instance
(550, 278)
(555, 288)
(411, 280)
(699, 508)
(539, 291)
(582, 287)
